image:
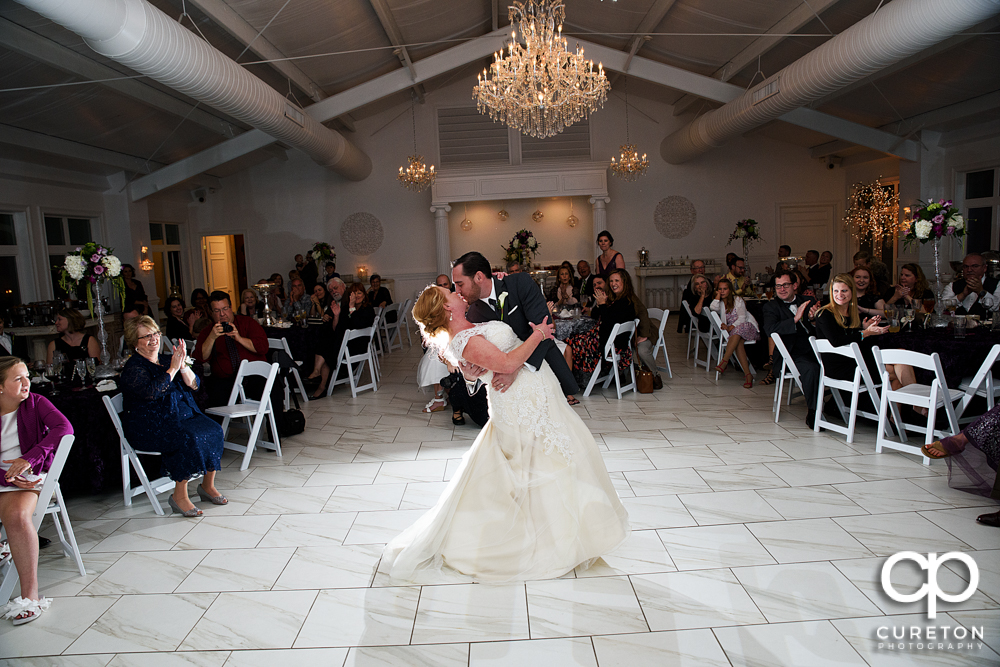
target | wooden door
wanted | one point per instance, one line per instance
(220, 265)
(807, 227)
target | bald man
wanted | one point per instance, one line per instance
(973, 286)
(444, 281)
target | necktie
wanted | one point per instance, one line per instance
(234, 354)
(493, 304)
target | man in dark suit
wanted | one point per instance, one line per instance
(788, 315)
(585, 282)
(516, 300)
(972, 287)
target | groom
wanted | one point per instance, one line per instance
(516, 300)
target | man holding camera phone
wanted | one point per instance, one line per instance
(224, 345)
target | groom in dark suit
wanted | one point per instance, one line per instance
(516, 300)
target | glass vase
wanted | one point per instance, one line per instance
(938, 319)
(103, 371)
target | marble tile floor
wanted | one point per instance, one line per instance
(753, 544)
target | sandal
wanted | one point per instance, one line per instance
(721, 368)
(26, 610)
(457, 418)
(934, 453)
(768, 379)
(749, 382)
(572, 400)
(437, 404)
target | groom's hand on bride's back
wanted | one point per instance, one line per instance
(471, 371)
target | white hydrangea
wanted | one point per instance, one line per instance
(113, 265)
(922, 228)
(958, 222)
(75, 266)
(532, 243)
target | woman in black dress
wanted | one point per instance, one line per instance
(199, 300)
(840, 323)
(74, 343)
(912, 290)
(869, 300)
(609, 259)
(176, 329)
(357, 313)
(135, 295)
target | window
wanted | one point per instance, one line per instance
(165, 251)
(10, 288)
(982, 203)
(62, 235)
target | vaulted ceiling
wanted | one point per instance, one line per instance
(111, 120)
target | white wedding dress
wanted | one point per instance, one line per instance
(532, 498)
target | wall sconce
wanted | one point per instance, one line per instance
(145, 264)
(362, 272)
(907, 216)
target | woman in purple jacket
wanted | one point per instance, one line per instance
(30, 430)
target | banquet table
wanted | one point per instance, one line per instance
(303, 342)
(960, 357)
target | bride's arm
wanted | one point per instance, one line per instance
(483, 353)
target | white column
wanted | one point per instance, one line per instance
(599, 203)
(442, 242)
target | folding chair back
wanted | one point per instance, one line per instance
(391, 329)
(932, 397)
(789, 372)
(378, 327)
(293, 372)
(692, 326)
(404, 320)
(166, 347)
(860, 384)
(50, 501)
(115, 407)
(981, 384)
(663, 316)
(610, 355)
(254, 412)
(345, 357)
(710, 340)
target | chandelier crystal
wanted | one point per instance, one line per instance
(540, 88)
(630, 167)
(416, 177)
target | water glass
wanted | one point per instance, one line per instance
(91, 367)
(960, 323)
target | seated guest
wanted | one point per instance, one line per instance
(30, 430)
(320, 301)
(820, 274)
(585, 283)
(586, 350)
(513, 266)
(250, 305)
(786, 315)
(870, 302)
(298, 304)
(784, 252)
(700, 299)
(737, 276)
(176, 328)
(199, 300)
(357, 313)
(278, 288)
(74, 342)
(972, 286)
(160, 415)
(697, 269)
(196, 321)
(811, 262)
(740, 324)
(225, 344)
(599, 285)
(564, 293)
(880, 272)
(6, 343)
(911, 290)
(977, 475)
(840, 323)
(645, 334)
(379, 296)
(330, 269)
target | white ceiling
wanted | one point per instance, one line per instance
(338, 44)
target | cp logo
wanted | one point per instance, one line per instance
(930, 590)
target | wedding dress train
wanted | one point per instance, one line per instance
(532, 498)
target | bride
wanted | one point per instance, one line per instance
(532, 498)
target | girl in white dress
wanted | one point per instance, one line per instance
(532, 498)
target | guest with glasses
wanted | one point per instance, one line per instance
(974, 284)
(160, 415)
(225, 344)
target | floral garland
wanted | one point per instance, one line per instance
(933, 221)
(324, 252)
(747, 232)
(92, 263)
(523, 246)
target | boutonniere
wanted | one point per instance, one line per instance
(189, 362)
(500, 300)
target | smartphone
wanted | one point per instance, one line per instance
(226, 327)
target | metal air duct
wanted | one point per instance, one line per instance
(140, 36)
(896, 31)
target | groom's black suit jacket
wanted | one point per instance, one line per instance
(525, 303)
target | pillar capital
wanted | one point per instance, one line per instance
(598, 201)
(443, 208)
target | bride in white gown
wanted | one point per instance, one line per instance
(532, 498)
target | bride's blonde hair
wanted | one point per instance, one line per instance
(429, 311)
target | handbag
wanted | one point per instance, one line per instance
(643, 380)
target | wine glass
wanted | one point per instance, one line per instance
(57, 363)
(91, 367)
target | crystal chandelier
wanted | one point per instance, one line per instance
(540, 88)
(416, 177)
(631, 166)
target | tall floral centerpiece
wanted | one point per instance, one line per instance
(90, 266)
(522, 248)
(934, 221)
(747, 232)
(324, 252)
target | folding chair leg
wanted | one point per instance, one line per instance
(144, 480)
(74, 549)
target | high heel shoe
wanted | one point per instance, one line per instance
(748, 384)
(320, 393)
(215, 500)
(721, 368)
(192, 513)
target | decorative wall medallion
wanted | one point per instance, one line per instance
(361, 234)
(675, 217)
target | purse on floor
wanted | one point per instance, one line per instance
(643, 380)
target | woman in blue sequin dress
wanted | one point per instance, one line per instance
(160, 415)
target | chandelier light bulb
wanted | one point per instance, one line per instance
(416, 176)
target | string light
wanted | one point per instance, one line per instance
(873, 215)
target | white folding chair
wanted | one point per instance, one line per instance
(710, 340)
(129, 458)
(391, 329)
(166, 347)
(662, 315)
(50, 501)
(723, 337)
(862, 383)
(932, 396)
(345, 357)
(981, 384)
(282, 344)
(692, 326)
(790, 372)
(404, 320)
(611, 356)
(378, 327)
(254, 412)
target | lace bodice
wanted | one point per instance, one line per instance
(526, 404)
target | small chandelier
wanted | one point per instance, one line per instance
(631, 166)
(416, 177)
(540, 88)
